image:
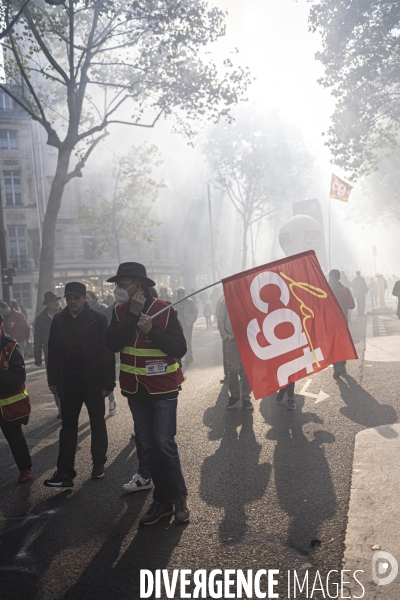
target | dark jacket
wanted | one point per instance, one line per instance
(97, 361)
(41, 336)
(343, 296)
(12, 378)
(359, 286)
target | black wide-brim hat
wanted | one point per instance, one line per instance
(134, 270)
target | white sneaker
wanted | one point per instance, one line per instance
(137, 484)
(112, 407)
(133, 434)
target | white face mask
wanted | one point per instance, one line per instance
(121, 294)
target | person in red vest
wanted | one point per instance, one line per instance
(15, 325)
(14, 404)
(150, 377)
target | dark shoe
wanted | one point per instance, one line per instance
(290, 404)
(25, 476)
(247, 405)
(226, 380)
(280, 395)
(232, 402)
(155, 513)
(181, 513)
(98, 472)
(59, 480)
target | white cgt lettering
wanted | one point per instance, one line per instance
(298, 364)
(277, 346)
(268, 278)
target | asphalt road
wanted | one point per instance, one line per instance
(268, 489)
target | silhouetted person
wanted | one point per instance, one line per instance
(42, 333)
(346, 302)
(81, 370)
(360, 290)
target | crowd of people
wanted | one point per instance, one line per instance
(79, 344)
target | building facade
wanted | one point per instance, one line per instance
(27, 167)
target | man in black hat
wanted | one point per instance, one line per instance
(42, 331)
(150, 376)
(81, 370)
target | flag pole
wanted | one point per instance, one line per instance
(188, 296)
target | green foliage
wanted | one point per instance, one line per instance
(125, 213)
(145, 54)
(361, 56)
(378, 197)
(260, 163)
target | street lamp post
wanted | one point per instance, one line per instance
(211, 233)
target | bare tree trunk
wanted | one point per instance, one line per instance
(46, 272)
(244, 255)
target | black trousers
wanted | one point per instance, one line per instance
(360, 304)
(289, 389)
(17, 442)
(72, 400)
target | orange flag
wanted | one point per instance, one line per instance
(340, 190)
(286, 321)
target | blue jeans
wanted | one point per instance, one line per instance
(155, 426)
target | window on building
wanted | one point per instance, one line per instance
(59, 240)
(22, 293)
(6, 103)
(18, 246)
(13, 188)
(8, 139)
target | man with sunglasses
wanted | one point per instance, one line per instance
(81, 370)
(150, 378)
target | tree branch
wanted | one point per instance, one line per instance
(10, 25)
(43, 46)
(77, 172)
(264, 215)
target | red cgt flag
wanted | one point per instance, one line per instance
(286, 321)
(340, 190)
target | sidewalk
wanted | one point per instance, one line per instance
(374, 513)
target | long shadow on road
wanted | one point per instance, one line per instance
(232, 477)
(68, 546)
(363, 408)
(303, 481)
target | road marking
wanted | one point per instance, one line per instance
(381, 327)
(34, 372)
(319, 397)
